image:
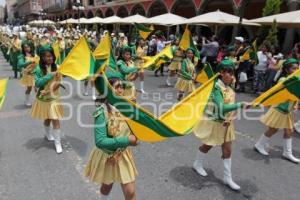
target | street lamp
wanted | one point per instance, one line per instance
(78, 6)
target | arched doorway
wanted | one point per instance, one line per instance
(82, 15)
(99, 13)
(138, 9)
(109, 12)
(157, 8)
(184, 8)
(90, 14)
(122, 12)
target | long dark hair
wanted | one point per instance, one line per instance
(23, 49)
(185, 55)
(284, 72)
(123, 51)
(103, 99)
(43, 64)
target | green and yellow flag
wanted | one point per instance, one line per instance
(143, 30)
(55, 47)
(288, 90)
(205, 74)
(187, 42)
(3, 84)
(155, 61)
(104, 55)
(149, 128)
(80, 62)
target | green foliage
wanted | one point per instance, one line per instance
(271, 40)
(272, 7)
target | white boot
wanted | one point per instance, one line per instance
(297, 126)
(85, 90)
(142, 87)
(57, 141)
(48, 134)
(103, 197)
(198, 164)
(227, 175)
(27, 100)
(287, 151)
(261, 144)
(168, 83)
(94, 96)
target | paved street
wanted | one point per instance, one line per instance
(30, 169)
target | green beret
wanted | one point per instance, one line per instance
(190, 49)
(45, 48)
(290, 61)
(226, 64)
(126, 49)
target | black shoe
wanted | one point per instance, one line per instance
(162, 75)
(155, 75)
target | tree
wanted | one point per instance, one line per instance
(272, 7)
(271, 40)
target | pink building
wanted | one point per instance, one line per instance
(28, 9)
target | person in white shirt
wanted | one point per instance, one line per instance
(264, 57)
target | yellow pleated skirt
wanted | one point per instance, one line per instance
(47, 110)
(100, 171)
(174, 65)
(214, 133)
(130, 91)
(27, 80)
(183, 85)
(275, 119)
(139, 64)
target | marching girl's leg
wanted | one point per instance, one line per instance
(226, 156)
(287, 146)
(57, 136)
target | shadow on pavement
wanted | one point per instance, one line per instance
(187, 177)
(79, 146)
(22, 107)
(35, 144)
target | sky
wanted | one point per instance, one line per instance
(2, 2)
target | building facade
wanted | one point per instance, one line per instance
(10, 10)
(27, 10)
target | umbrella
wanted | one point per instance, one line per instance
(167, 19)
(134, 19)
(82, 21)
(69, 21)
(41, 22)
(217, 18)
(286, 20)
(112, 20)
(95, 20)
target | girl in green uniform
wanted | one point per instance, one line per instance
(186, 75)
(280, 117)
(217, 127)
(27, 62)
(47, 106)
(128, 70)
(111, 161)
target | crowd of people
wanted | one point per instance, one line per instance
(243, 67)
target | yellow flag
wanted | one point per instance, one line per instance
(103, 49)
(160, 58)
(80, 62)
(55, 47)
(3, 84)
